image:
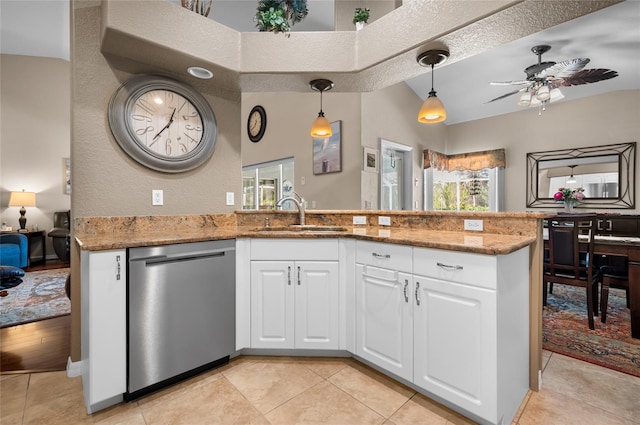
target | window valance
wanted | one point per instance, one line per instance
(472, 161)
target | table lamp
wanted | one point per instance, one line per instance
(22, 199)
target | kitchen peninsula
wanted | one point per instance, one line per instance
(475, 347)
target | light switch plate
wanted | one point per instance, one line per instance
(157, 197)
(230, 198)
(359, 219)
(474, 225)
(384, 220)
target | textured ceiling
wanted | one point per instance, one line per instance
(494, 47)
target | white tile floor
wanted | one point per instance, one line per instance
(285, 390)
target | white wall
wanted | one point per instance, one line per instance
(599, 120)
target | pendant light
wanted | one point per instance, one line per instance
(571, 179)
(321, 128)
(432, 110)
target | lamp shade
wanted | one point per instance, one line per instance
(321, 127)
(432, 110)
(22, 199)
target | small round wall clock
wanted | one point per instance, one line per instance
(256, 123)
(163, 124)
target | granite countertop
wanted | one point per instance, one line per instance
(475, 242)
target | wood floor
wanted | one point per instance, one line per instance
(41, 346)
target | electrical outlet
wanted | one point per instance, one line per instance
(302, 180)
(474, 225)
(384, 220)
(230, 200)
(313, 204)
(359, 219)
(157, 197)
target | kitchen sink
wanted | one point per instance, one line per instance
(297, 228)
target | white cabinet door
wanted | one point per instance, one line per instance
(384, 322)
(317, 304)
(104, 331)
(455, 344)
(295, 304)
(272, 304)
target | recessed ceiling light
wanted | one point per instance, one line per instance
(200, 72)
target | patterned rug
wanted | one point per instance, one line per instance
(565, 330)
(41, 295)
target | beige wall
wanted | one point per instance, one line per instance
(289, 118)
(34, 136)
(599, 120)
(106, 181)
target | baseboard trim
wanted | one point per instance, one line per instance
(74, 369)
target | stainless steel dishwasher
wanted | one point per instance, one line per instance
(180, 312)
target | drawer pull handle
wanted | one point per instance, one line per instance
(449, 267)
(406, 297)
(289, 275)
(375, 254)
(417, 289)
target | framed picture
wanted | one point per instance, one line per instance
(370, 160)
(66, 176)
(327, 153)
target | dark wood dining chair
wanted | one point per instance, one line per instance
(570, 257)
(613, 274)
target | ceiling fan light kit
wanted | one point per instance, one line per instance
(432, 110)
(541, 86)
(321, 128)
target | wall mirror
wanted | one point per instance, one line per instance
(606, 173)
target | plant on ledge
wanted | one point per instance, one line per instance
(280, 15)
(361, 15)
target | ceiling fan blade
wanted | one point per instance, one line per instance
(507, 95)
(587, 76)
(510, 83)
(564, 69)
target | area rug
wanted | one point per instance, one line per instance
(565, 330)
(41, 295)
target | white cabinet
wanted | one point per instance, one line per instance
(295, 303)
(384, 304)
(471, 331)
(103, 323)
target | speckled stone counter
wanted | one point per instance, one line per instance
(502, 232)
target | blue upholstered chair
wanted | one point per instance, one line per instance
(13, 250)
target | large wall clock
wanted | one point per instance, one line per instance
(163, 124)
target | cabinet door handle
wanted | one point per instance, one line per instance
(406, 297)
(375, 254)
(449, 267)
(298, 275)
(289, 275)
(117, 267)
(600, 225)
(417, 296)
(609, 225)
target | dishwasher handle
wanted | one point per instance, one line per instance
(164, 259)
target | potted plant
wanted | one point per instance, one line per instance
(280, 15)
(360, 17)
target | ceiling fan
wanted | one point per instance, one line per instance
(544, 79)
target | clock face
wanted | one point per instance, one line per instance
(163, 124)
(166, 123)
(256, 123)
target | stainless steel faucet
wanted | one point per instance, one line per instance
(298, 201)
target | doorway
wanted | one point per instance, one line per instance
(395, 176)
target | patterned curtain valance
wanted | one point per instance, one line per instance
(472, 161)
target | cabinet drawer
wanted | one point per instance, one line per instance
(462, 267)
(384, 255)
(295, 249)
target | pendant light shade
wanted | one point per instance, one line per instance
(432, 110)
(321, 128)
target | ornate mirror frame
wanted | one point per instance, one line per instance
(626, 155)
